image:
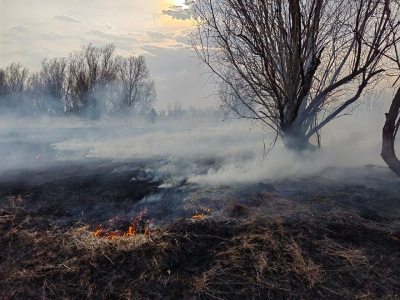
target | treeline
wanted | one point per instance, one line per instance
(90, 83)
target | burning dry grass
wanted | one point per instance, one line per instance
(126, 228)
(325, 242)
(334, 255)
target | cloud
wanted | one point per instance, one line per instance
(112, 37)
(31, 57)
(50, 37)
(109, 26)
(182, 39)
(182, 35)
(18, 34)
(19, 29)
(159, 35)
(178, 13)
(176, 62)
(69, 19)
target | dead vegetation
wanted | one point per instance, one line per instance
(336, 255)
(322, 240)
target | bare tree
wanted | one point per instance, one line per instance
(91, 73)
(16, 78)
(78, 82)
(148, 97)
(48, 86)
(175, 110)
(294, 64)
(89, 83)
(389, 135)
(37, 92)
(3, 85)
(13, 81)
(106, 87)
(92, 55)
(392, 122)
(138, 89)
(3, 88)
(108, 65)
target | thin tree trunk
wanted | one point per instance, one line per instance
(389, 135)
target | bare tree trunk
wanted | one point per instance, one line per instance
(389, 135)
(294, 140)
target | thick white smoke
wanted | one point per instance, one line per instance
(200, 150)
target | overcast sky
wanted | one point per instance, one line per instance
(34, 29)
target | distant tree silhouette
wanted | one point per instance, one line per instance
(89, 83)
(137, 88)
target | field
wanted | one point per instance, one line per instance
(86, 221)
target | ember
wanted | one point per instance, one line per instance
(135, 226)
(201, 214)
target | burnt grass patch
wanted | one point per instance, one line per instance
(90, 192)
(327, 240)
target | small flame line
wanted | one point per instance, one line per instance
(198, 215)
(132, 230)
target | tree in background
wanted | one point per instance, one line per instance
(294, 65)
(175, 110)
(13, 82)
(3, 85)
(92, 72)
(16, 78)
(48, 86)
(100, 82)
(137, 88)
(89, 83)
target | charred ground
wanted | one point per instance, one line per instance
(335, 236)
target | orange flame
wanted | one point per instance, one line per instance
(201, 215)
(98, 232)
(132, 230)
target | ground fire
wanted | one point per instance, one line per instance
(200, 215)
(126, 228)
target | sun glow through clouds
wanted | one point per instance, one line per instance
(179, 2)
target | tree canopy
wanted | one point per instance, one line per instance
(294, 65)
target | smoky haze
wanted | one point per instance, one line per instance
(201, 150)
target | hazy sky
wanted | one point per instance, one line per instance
(32, 30)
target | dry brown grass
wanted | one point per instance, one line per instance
(215, 198)
(353, 256)
(257, 262)
(334, 255)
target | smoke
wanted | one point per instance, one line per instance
(203, 151)
(112, 166)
